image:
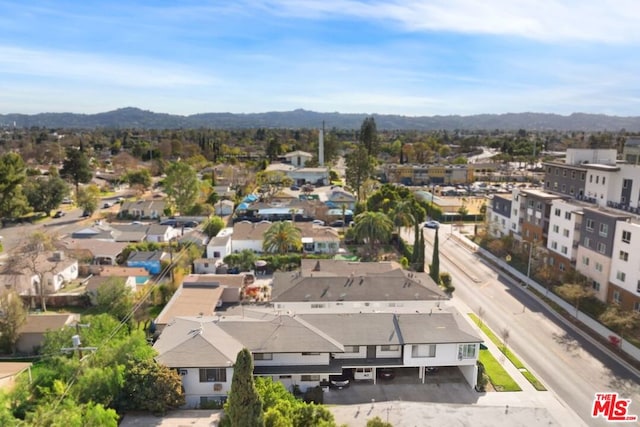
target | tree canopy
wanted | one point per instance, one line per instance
(182, 185)
(281, 237)
(244, 406)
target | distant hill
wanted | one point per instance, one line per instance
(137, 118)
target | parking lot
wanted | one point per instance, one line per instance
(445, 385)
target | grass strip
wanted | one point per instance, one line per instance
(498, 376)
(512, 357)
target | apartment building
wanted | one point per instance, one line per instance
(564, 233)
(624, 275)
(535, 210)
(428, 174)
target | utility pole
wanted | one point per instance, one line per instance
(75, 340)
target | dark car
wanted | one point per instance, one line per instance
(338, 223)
(190, 224)
(294, 188)
(58, 214)
(86, 214)
(339, 381)
(431, 369)
(386, 373)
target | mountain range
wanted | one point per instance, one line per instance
(136, 118)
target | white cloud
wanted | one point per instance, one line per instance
(609, 21)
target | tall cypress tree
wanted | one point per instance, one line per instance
(434, 272)
(420, 266)
(415, 254)
(244, 406)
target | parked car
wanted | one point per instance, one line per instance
(107, 205)
(67, 201)
(171, 222)
(338, 223)
(431, 369)
(386, 373)
(59, 214)
(86, 214)
(190, 224)
(339, 381)
(318, 222)
(432, 224)
(294, 188)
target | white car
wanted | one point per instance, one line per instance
(432, 224)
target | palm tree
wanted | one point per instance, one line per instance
(373, 228)
(281, 237)
(402, 215)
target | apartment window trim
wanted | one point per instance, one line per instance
(626, 236)
(213, 375)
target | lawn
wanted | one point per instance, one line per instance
(505, 350)
(499, 378)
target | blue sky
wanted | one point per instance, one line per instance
(411, 57)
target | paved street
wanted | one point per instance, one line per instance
(569, 366)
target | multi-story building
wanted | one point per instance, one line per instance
(564, 234)
(631, 151)
(429, 174)
(499, 218)
(624, 276)
(535, 208)
(596, 247)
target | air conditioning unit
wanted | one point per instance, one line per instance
(183, 372)
(217, 387)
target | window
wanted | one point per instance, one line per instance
(638, 287)
(557, 212)
(565, 232)
(572, 190)
(604, 230)
(424, 350)
(624, 256)
(590, 224)
(530, 203)
(564, 250)
(587, 242)
(213, 375)
(602, 248)
(561, 266)
(636, 306)
(616, 297)
(309, 377)
(262, 356)
(308, 353)
(599, 267)
(552, 261)
(621, 276)
(604, 178)
(590, 178)
(573, 174)
(626, 236)
(585, 260)
(556, 229)
(596, 286)
(564, 172)
(554, 245)
(582, 176)
(539, 206)
(597, 179)
(317, 305)
(564, 188)
(466, 351)
(389, 347)
(567, 215)
(352, 349)
(216, 254)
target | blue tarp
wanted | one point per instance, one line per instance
(250, 198)
(243, 206)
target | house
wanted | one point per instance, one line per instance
(248, 235)
(9, 372)
(206, 265)
(31, 334)
(24, 275)
(94, 283)
(318, 239)
(98, 251)
(317, 176)
(143, 209)
(305, 350)
(149, 260)
(220, 246)
(298, 158)
(139, 275)
(159, 233)
(223, 207)
(194, 237)
(339, 197)
(200, 295)
(332, 286)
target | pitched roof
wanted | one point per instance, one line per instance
(39, 323)
(147, 256)
(191, 301)
(317, 232)
(189, 342)
(395, 285)
(245, 230)
(95, 246)
(336, 268)
(298, 153)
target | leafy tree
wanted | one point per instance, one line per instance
(369, 136)
(244, 406)
(76, 167)
(270, 182)
(623, 322)
(575, 292)
(434, 271)
(373, 228)
(181, 185)
(45, 194)
(139, 179)
(245, 260)
(281, 237)
(13, 173)
(389, 196)
(150, 386)
(70, 413)
(88, 198)
(359, 167)
(213, 226)
(274, 148)
(115, 297)
(377, 422)
(402, 215)
(13, 317)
